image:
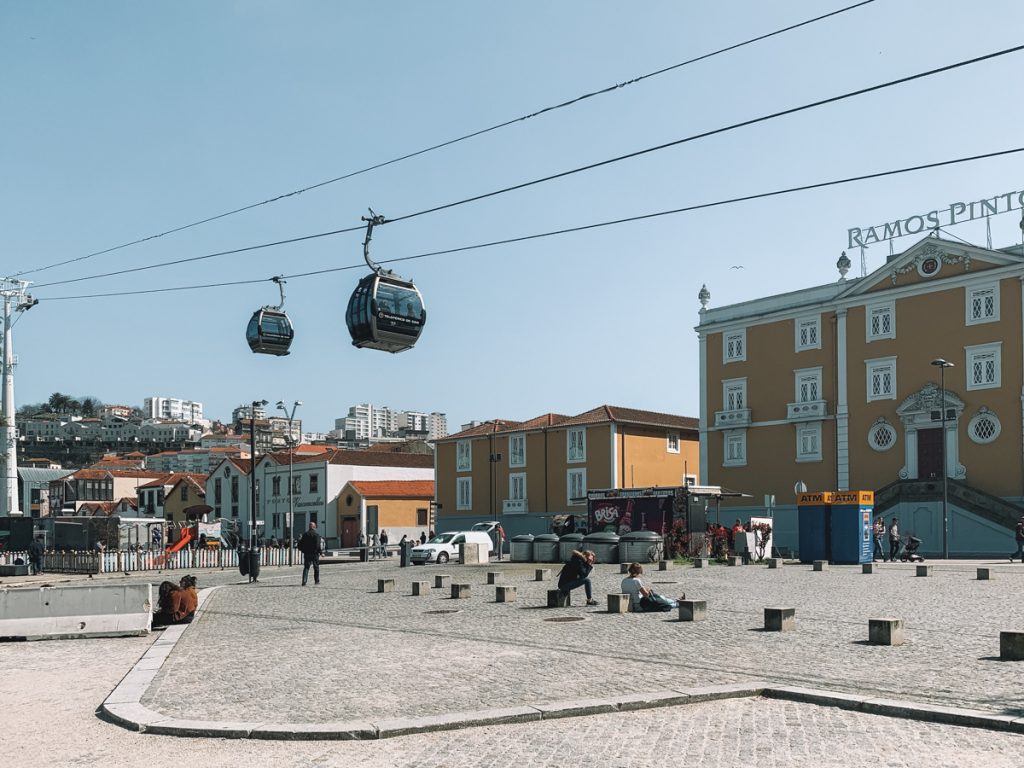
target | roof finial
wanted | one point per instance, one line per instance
(843, 265)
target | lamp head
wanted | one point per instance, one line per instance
(280, 404)
(941, 363)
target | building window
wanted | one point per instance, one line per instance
(735, 449)
(296, 485)
(808, 442)
(882, 435)
(275, 486)
(983, 366)
(983, 304)
(234, 492)
(734, 394)
(517, 450)
(808, 333)
(464, 493)
(463, 456)
(673, 442)
(984, 426)
(734, 346)
(881, 319)
(808, 385)
(421, 518)
(275, 520)
(881, 378)
(576, 482)
(314, 483)
(576, 444)
(184, 492)
(517, 486)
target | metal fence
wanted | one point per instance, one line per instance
(130, 560)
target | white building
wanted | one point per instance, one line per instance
(367, 423)
(174, 409)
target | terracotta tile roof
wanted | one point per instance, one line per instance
(196, 481)
(100, 474)
(394, 489)
(173, 478)
(371, 459)
(607, 413)
(487, 428)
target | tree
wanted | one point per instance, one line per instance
(58, 402)
(90, 406)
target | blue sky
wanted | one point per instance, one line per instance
(124, 119)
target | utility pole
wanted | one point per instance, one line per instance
(13, 292)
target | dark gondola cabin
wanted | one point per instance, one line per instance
(385, 313)
(269, 332)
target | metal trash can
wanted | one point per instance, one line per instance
(406, 551)
(243, 562)
(522, 548)
(568, 543)
(604, 545)
(545, 548)
(254, 564)
(641, 547)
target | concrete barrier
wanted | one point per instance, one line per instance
(542, 574)
(504, 594)
(1011, 645)
(442, 580)
(734, 560)
(14, 570)
(493, 576)
(779, 619)
(460, 591)
(821, 565)
(624, 567)
(924, 570)
(618, 603)
(693, 610)
(885, 631)
(558, 599)
(420, 588)
(664, 565)
(76, 611)
(984, 574)
(385, 585)
(774, 562)
(701, 562)
(867, 567)
(471, 553)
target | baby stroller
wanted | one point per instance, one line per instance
(909, 551)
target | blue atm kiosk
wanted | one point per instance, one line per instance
(814, 519)
(851, 527)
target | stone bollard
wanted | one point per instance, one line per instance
(693, 610)
(701, 562)
(924, 570)
(460, 591)
(821, 565)
(624, 567)
(542, 574)
(734, 560)
(493, 576)
(618, 603)
(420, 588)
(558, 599)
(663, 565)
(984, 574)
(774, 562)
(885, 631)
(504, 594)
(779, 619)
(867, 567)
(442, 580)
(385, 585)
(1011, 645)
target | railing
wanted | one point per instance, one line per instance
(129, 560)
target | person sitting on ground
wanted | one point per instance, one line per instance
(641, 597)
(172, 606)
(576, 573)
(188, 586)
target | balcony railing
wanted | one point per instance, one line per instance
(739, 417)
(809, 411)
(514, 507)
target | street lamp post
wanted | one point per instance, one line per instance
(291, 452)
(253, 558)
(942, 365)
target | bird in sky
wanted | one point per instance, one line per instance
(736, 266)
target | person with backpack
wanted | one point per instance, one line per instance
(1019, 535)
(309, 546)
(641, 597)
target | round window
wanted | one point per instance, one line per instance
(929, 266)
(984, 427)
(882, 436)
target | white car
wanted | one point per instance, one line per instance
(445, 546)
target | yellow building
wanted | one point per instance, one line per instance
(523, 474)
(401, 507)
(840, 387)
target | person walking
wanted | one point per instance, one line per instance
(576, 573)
(879, 533)
(894, 539)
(383, 543)
(1019, 535)
(309, 546)
(35, 555)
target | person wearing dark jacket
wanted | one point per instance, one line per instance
(1019, 536)
(309, 546)
(576, 573)
(35, 555)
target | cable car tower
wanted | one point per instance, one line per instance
(13, 293)
(385, 311)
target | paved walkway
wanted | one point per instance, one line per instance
(278, 652)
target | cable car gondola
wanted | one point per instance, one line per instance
(385, 311)
(270, 331)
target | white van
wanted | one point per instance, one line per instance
(445, 546)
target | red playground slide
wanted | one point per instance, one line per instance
(186, 537)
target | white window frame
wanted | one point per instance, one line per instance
(517, 458)
(672, 442)
(883, 308)
(808, 441)
(581, 481)
(464, 493)
(882, 425)
(978, 293)
(982, 352)
(734, 346)
(734, 394)
(517, 486)
(807, 380)
(464, 456)
(734, 445)
(880, 365)
(987, 415)
(808, 333)
(576, 445)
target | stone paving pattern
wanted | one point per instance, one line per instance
(340, 650)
